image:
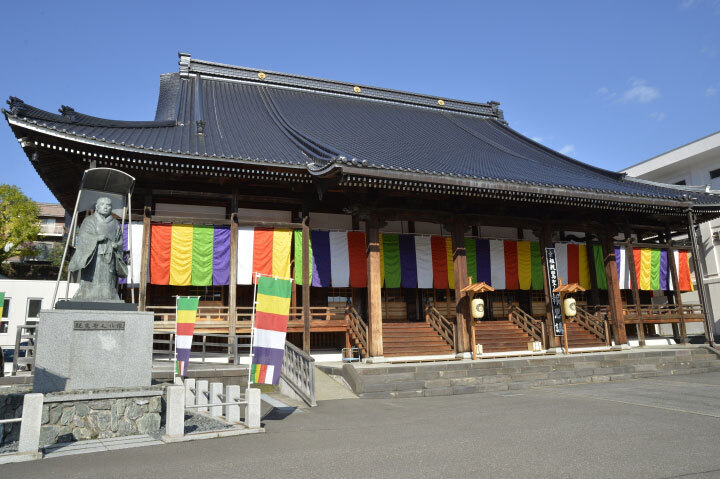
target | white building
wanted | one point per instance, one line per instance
(23, 301)
(695, 164)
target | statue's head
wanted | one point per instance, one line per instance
(103, 206)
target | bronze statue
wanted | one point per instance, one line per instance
(99, 255)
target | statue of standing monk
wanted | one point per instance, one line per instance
(99, 255)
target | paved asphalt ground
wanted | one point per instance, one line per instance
(654, 428)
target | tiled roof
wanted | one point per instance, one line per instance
(215, 111)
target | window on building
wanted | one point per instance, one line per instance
(715, 179)
(33, 309)
(4, 321)
(207, 293)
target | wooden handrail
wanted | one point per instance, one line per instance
(441, 324)
(527, 323)
(594, 323)
(357, 326)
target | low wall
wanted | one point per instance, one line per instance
(11, 401)
(74, 416)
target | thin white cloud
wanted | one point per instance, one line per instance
(605, 93)
(537, 139)
(685, 4)
(711, 91)
(658, 115)
(567, 149)
(640, 92)
(708, 51)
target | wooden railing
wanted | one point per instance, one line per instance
(654, 313)
(441, 324)
(595, 323)
(220, 346)
(298, 371)
(533, 327)
(358, 328)
(660, 312)
(217, 317)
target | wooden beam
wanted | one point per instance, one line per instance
(630, 260)
(306, 280)
(232, 287)
(462, 300)
(145, 257)
(676, 289)
(617, 316)
(375, 337)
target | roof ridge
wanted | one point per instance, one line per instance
(189, 65)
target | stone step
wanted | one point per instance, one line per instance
(464, 377)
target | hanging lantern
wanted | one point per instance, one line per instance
(570, 307)
(478, 308)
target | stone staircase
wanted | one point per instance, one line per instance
(413, 339)
(488, 375)
(501, 336)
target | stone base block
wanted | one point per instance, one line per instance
(79, 349)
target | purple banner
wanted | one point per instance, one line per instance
(408, 264)
(483, 261)
(663, 270)
(221, 255)
(269, 356)
(321, 258)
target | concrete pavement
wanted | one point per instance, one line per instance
(657, 428)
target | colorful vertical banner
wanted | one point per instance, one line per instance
(272, 309)
(184, 255)
(245, 250)
(391, 259)
(2, 303)
(408, 262)
(424, 261)
(450, 263)
(600, 277)
(439, 262)
(186, 314)
(358, 259)
(135, 256)
(339, 259)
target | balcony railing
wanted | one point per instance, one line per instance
(52, 230)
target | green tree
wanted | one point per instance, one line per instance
(19, 225)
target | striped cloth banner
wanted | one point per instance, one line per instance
(272, 310)
(186, 314)
(135, 257)
(652, 269)
(263, 250)
(185, 255)
(2, 303)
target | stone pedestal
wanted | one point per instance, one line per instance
(79, 349)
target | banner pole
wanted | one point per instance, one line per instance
(252, 332)
(175, 340)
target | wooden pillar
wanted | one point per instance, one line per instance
(551, 340)
(374, 306)
(462, 301)
(306, 280)
(630, 260)
(145, 256)
(232, 287)
(676, 288)
(617, 316)
(595, 292)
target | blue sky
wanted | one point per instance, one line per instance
(610, 83)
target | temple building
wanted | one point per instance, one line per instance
(384, 206)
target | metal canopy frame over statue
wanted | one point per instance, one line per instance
(97, 183)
